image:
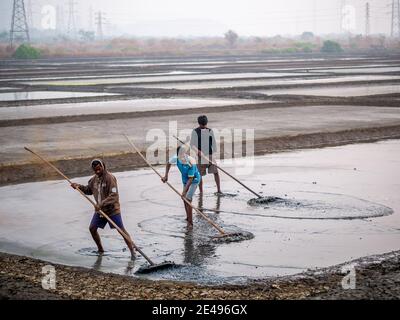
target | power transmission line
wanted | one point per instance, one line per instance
(395, 23)
(19, 25)
(29, 14)
(367, 20)
(60, 18)
(100, 21)
(314, 16)
(90, 18)
(71, 19)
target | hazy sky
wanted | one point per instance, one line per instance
(214, 17)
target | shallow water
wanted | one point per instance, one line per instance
(339, 91)
(205, 62)
(266, 82)
(375, 69)
(36, 95)
(183, 77)
(7, 88)
(340, 204)
(104, 107)
(56, 77)
(315, 205)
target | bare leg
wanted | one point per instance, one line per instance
(129, 243)
(218, 182)
(96, 238)
(189, 214)
(201, 186)
(200, 203)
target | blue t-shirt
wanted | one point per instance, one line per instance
(187, 171)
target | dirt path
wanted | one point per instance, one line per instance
(376, 278)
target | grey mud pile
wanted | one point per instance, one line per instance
(377, 277)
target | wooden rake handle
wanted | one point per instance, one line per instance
(224, 171)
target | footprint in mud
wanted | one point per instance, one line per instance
(313, 205)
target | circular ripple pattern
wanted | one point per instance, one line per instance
(312, 205)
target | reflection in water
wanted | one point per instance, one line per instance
(97, 263)
(21, 95)
(130, 267)
(196, 248)
(128, 270)
(34, 95)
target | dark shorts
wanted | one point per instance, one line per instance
(99, 222)
(210, 168)
(206, 166)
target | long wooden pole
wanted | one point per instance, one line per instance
(176, 191)
(224, 171)
(123, 234)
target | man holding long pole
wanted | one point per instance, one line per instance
(204, 140)
(103, 187)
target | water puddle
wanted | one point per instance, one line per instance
(313, 205)
(266, 82)
(165, 78)
(339, 91)
(120, 106)
(376, 69)
(37, 95)
(322, 207)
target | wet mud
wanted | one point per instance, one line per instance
(320, 207)
(149, 268)
(266, 200)
(314, 214)
(310, 205)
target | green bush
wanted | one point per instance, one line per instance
(25, 51)
(289, 50)
(304, 46)
(331, 47)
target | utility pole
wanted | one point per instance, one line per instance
(315, 16)
(395, 25)
(60, 19)
(100, 23)
(342, 15)
(367, 20)
(71, 19)
(29, 14)
(19, 26)
(90, 19)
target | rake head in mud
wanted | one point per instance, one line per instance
(265, 200)
(156, 267)
(233, 237)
